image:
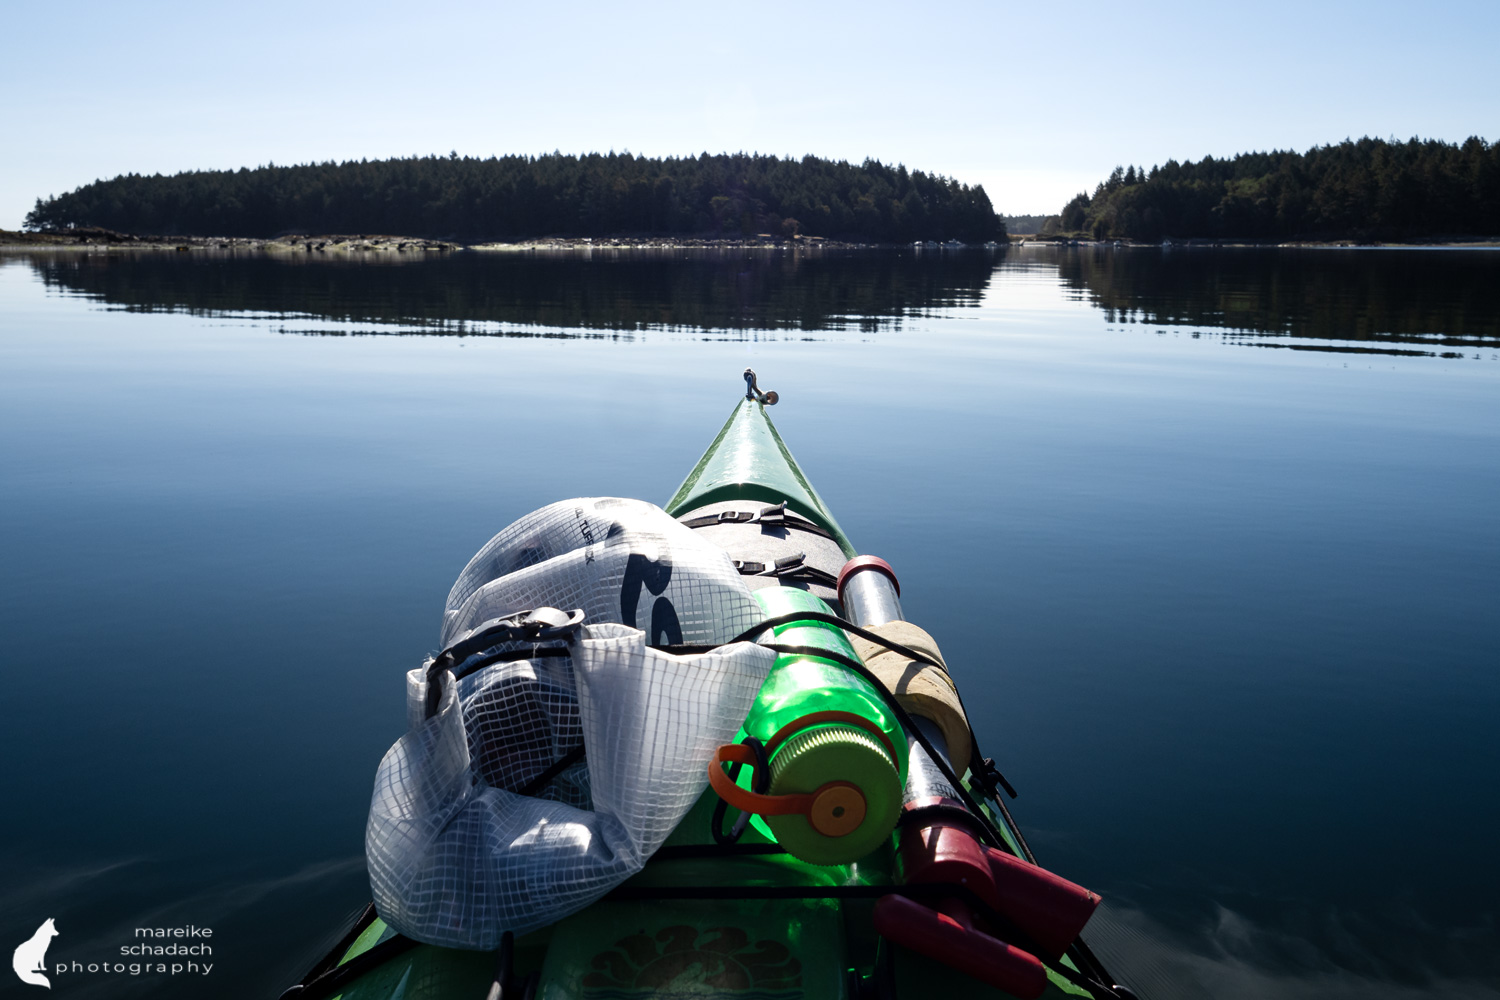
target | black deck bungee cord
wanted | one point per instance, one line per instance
(890, 644)
(760, 783)
(335, 979)
(992, 833)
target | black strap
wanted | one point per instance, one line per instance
(536, 625)
(366, 917)
(503, 984)
(987, 764)
(991, 833)
(684, 852)
(509, 656)
(760, 783)
(920, 890)
(335, 979)
(792, 569)
(774, 516)
(469, 666)
(557, 767)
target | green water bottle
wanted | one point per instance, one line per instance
(836, 754)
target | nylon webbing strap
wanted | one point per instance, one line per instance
(774, 516)
(793, 569)
(557, 767)
(335, 979)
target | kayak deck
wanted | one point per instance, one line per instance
(697, 922)
(749, 461)
(702, 919)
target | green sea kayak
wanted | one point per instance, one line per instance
(731, 914)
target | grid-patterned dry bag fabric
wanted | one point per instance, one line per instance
(621, 561)
(456, 856)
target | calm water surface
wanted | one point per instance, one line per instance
(1209, 537)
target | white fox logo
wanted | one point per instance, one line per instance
(30, 959)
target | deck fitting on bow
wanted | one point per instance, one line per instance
(752, 391)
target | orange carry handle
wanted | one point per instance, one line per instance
(743, 799)
(834, 809)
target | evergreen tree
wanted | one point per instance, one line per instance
(1365, 189)
(518, 197)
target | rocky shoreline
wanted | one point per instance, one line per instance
(1209, 244)
(94, 239)
(108, 239)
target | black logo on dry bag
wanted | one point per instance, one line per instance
(655, 574)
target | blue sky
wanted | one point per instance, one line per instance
(1035, 101)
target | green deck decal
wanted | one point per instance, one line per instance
(749, 461)
(726, 960)
(368, 938)
(731, 950)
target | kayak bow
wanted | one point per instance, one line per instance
(793, 902)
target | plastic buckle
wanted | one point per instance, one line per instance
(989, 776)
(790, 564)
(532, 625)
(535, 625)
(773, 515)
(735, 517)
(543, 624)
(747, 568)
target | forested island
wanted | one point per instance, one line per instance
(521, 197)
(1369, 189)
(1365, 190)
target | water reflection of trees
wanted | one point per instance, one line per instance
(1437, 298)
(1390, 301)
(522, 293)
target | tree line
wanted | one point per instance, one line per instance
(1365, 189)
(519, 197)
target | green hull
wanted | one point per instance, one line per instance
(749, 461)
(695, 923)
